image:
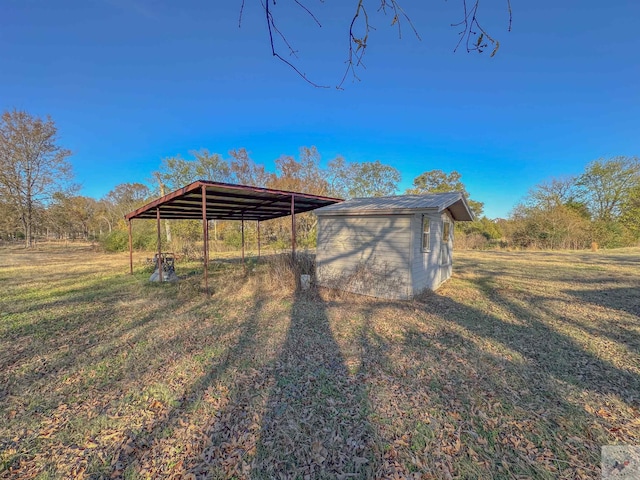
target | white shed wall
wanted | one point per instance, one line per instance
(366, 254)
(426, 265)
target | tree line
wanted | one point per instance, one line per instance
(601, 206)
(38, 198)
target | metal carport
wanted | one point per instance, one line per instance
(205, 200)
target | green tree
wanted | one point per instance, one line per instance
(578, 207)
(175, 172)
(373, 179)
(437, 181)
(631, 212)
(557, 227)
(551, 217)
(607, 186)
(71, 216)
(338, 176)
(553, 193)
(480, 233)
(211, 166)
(245, 171)
(302, 175)
(125, 198)
(362, 179)
(33, 166)
(484, 226)
(10, 226)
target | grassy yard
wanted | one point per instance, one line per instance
(521, 366)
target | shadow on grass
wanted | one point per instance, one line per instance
(50, 334)
(316, 420)
(296, 414)
(626, 299)
(277, 392)
(143, 451)
(497, 418)
(544, 348)
(472, 396)
(71, 361)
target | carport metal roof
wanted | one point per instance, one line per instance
(226, 201)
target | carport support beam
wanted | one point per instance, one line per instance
(159, 260)
(242, 237)
(293, 227)
(205, 235)
(258, 230)
(130, 249)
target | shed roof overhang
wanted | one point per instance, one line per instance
(226, 201)
(461, 211)
(454, 202)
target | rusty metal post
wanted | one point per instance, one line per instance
(205, 234)
(130, 250)
(258, 229)
(293, 227)
(242, 237)
(159, 260)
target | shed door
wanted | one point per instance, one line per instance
(446, 244)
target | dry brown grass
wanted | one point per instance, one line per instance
(521, 366)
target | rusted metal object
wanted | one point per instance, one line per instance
(230, 202)
(242, 238)
(130, 249)
(205, 233)
(293, 227)
(159, 243)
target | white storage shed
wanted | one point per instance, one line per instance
(388, 247)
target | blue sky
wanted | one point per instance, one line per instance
(129, 82)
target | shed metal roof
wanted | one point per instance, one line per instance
(226, 201)
(455, 202)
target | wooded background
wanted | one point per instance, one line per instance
(39, 200)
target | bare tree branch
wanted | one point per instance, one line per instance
(308, 11)
(360, 43)
(272, 27)
(472, 34)
(354, 58)
(240, 16)
(471, 28)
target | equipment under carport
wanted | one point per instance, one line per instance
(166, 262)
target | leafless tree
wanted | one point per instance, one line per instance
(32, 165)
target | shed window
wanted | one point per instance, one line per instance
(426, 234)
